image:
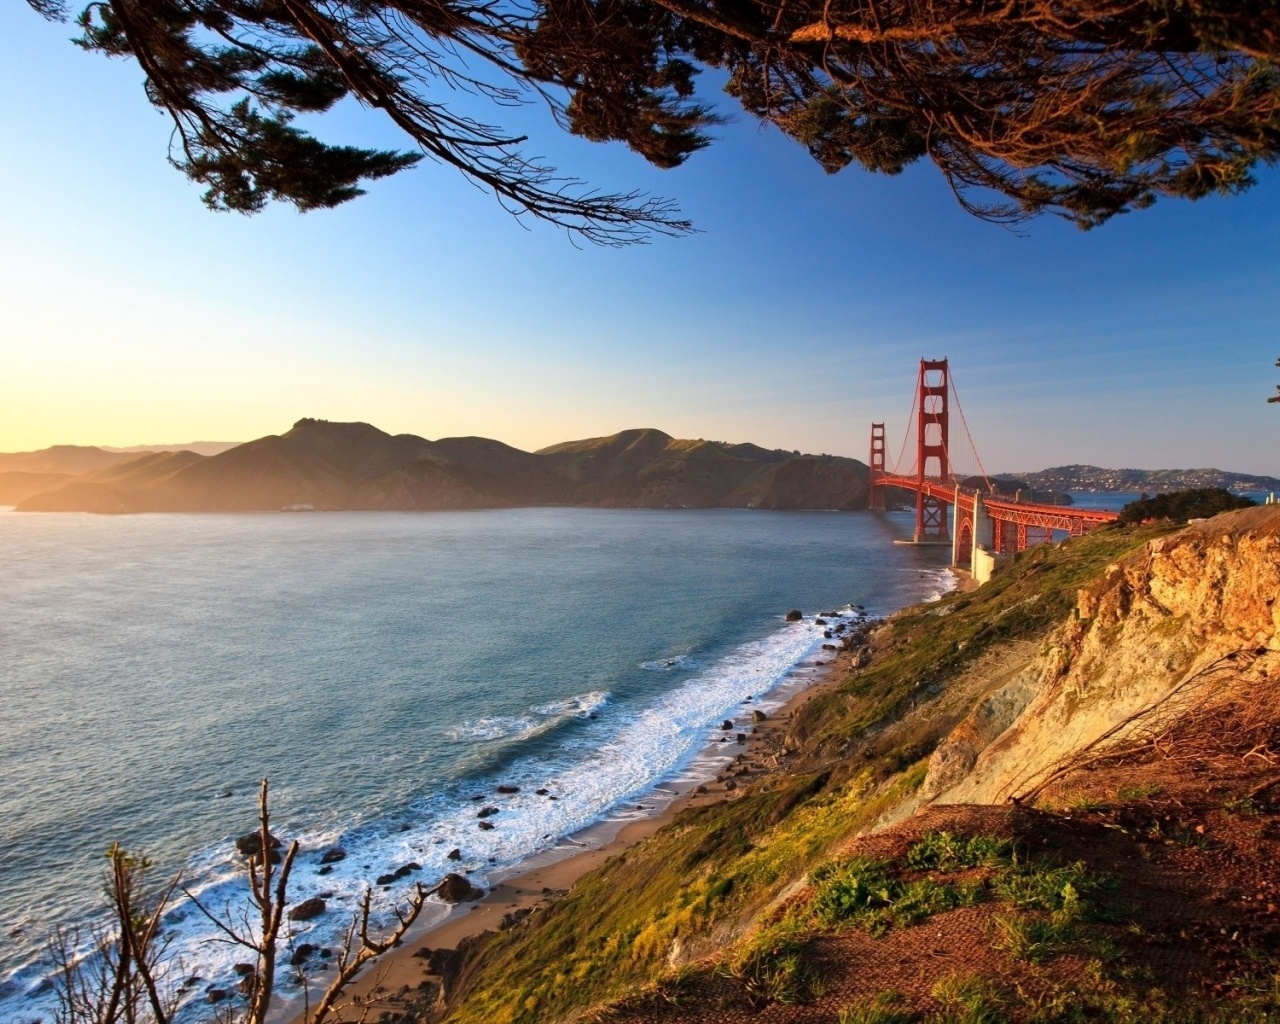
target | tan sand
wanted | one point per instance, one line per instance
(390, 983)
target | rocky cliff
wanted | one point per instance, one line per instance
(1171, 623)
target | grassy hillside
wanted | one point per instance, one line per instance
(699, 885)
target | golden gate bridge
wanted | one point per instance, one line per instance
(986, 524)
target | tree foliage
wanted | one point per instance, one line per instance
(1082, 108)
(1276, 396)
(1196, 503)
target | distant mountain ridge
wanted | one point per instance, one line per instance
(1095, 478)
(199, 447)
(332, 466)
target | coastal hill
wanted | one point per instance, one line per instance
(331, 466)
(1095, 478)
(24, 474)
(1049, 800)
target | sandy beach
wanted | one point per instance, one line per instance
(392, 983)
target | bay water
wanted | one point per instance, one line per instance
(383, 670)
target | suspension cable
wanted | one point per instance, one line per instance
(906, 434)
(951, 382)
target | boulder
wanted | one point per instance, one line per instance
(386, 879)
(726, 725)
(795, 615)
(333, 855)
(487, 812)
(250, 844)
(301, 953)
(485, 826)
(819, 621)
(542, 792)
(758, 716)
(513, 917)
(457, 889)
(742, 737)
(730, 784)
(508, 789)
(455, 854)
(307, 909)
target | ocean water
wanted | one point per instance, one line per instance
(383, 670)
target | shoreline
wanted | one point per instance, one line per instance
(392, 982)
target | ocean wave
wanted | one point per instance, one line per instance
(544, 799)
(533, 722)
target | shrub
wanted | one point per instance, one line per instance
(1196, 503)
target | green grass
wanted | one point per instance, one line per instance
(1033, 939)
(947, 851)
(1048, 901)
(885, 1008)
(968, 999)
(772, 969)
(861, 893)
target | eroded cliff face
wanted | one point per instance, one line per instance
(1193, 610)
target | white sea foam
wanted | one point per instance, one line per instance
(534, 722)
(600, 772)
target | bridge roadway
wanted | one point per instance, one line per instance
(1052, 517)
(986, 525)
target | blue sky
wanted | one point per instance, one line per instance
(130, 314)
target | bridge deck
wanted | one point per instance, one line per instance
(1058, 517)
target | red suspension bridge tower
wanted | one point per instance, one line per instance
(876, 495)
(932, 461)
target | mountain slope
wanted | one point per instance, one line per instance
(330, 466)
(69, 459)
(17, 486)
